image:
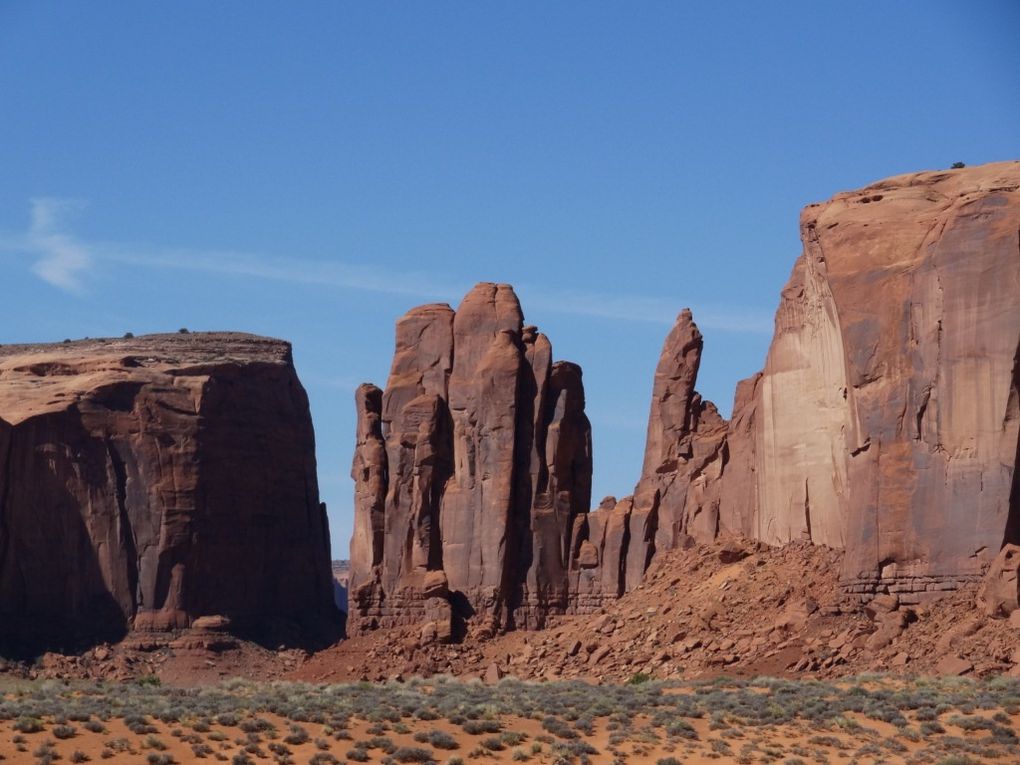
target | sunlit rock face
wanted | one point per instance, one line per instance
(885, 420)
(885, 423)
(474, 462)
(147, 482)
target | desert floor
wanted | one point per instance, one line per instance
(865, 720)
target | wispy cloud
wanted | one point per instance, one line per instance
(59, 259)
(647, 309)
(62, 259)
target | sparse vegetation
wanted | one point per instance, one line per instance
(242, 723)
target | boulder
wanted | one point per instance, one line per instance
(953, 665)
(1000, 592)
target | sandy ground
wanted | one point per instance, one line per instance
(865, 741)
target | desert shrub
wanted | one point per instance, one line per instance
(720, 747)
(412, 754)
(28, 725)
(379, 742)
(152, 742)
(201, 750)
(323, 758)
(63, 731)
(94, 726)
(297, 736)
(159, 758)
(638, 678)
(831, 741)
(139, 725)
(241, 758)
(477, 727)
(79, 756)
(254, 725)
(357, 755)
(437, 738)
(668, 761)
(681, 729)
(957, 166)
(558, 728)
(492, 743)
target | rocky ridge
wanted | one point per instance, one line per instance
(884, 424)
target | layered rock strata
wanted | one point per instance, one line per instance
(148, 482)
(470, 470)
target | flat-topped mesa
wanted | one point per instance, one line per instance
(486, 463)
(886, 418)
(147, 482)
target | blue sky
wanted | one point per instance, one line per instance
(312, 170)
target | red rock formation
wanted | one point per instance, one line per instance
(148, 482)
(487, 465)
(885, 422)
(678, 494)
(679, 489)
(886, 418)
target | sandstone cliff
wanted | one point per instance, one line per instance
(885, 420)
(469, 471)
(147, 482)
(885, 423)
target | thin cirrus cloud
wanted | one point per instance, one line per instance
(63, 261)
(59, 259)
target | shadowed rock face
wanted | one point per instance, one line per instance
(147, 482)
(480, 466)
(885, 420)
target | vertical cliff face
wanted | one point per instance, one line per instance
(487, 465)
(150, 481)
(885, 422)
(885, 419)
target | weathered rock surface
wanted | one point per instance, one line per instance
(885, 423)
(475, 462)
(886, 419)
(148, 482)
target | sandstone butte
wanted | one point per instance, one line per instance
(884, 424)
(148, 482)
